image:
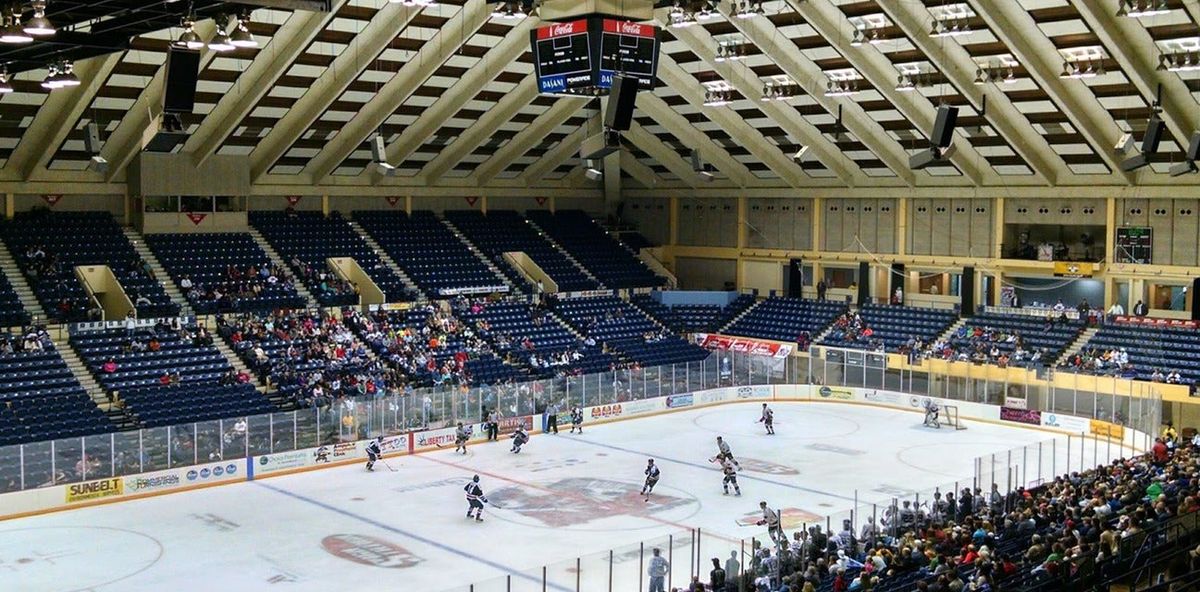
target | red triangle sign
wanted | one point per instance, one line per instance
(541, 199)
(471, 200)
(196, 218)
(293, 199)
(52, 199)
(393, 200)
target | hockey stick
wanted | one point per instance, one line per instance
(495, 506)
(385, 463)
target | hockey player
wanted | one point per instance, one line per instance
(652, 475)
(374, 452)
(519, 439)
(576, 419)
(475, 499)
(461, 435)
(931, 414)
(768, 420)
(771, 520)
(729, 468)
(724, 453)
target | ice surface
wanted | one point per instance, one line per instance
(563, 497)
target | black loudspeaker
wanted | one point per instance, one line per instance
(966, 288)
(864, 283)
(795, 287)
(619, 115)
(183, 67)
(943, 128)
(1193, 151)
(897, 280)
(1154, 130)
(1196, 299)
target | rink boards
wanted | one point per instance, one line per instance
(115, 489)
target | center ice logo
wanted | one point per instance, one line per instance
(575, 501)
(789, 518)
(369, 550)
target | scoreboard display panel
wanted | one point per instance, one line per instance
(582, 56)
(1135, 245)
(562, 56)
(628, 48)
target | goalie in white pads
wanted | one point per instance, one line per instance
(729, 469)
(519, 438)
(374, 452)
(475, 499)
(652, 475)
(768, 420)
(931, 414)
(461, 435)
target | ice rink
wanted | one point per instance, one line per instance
(563, 497)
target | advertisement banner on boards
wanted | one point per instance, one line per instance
(753, 347)
(1105, 429)
(1068, 423)
(92, 490)
(678, 401)
(841, 394)
(1026, 416)
(213, 472)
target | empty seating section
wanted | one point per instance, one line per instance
(429, 252)
(1166, 349)
(134, 366)
(310, 238)
(12, 313)
(693, 317)
(41, 400)
(785, 319)
(658, 352)
(49, 245)
(501, 231)
(606, 319)
(604, 256)
(206, 260)
(896, 325)
(1035, 334)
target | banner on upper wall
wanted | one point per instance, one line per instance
(746, 345)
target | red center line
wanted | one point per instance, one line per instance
(500, 477)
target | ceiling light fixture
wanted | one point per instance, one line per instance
(39, 25)
(1143, 8)
(717, 98)
(241, 36)
(66, 75)
(841, 88)
(952, 27)
(220, 42)
(13, 32)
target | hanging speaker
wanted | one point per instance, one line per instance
(1154, 130)
(943, 127)
(91, 138)
(179, 93)
(864, 283)
(1193, 151)
(378, 149)
(621, 100)
(966, 288)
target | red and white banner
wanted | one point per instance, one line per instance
(578, 27)
(52, 198)
(293, 200)
(629, 28)
(1160, 323)
(753, 347)
(393, 200)
(196, 218)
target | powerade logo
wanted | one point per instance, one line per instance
(230, 469)
(204, 473)
(218, 471)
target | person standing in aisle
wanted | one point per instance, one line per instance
(658, 571)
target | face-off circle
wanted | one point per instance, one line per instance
(72, 558)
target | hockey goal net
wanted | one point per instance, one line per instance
(950, 417)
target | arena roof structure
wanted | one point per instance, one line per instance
(1045, 88)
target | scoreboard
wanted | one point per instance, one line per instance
(1134, 245)
(582, 56)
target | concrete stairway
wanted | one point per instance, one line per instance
(20, 286)
(143, 250)
(279, 263)
(951, 329)
(1078, 344)
(474, 249)
(80, 370)
(387, 260)
(739, 316)
(565, 253)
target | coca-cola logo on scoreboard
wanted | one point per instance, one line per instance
(631, 28)
(369, 550)
(562, 29)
